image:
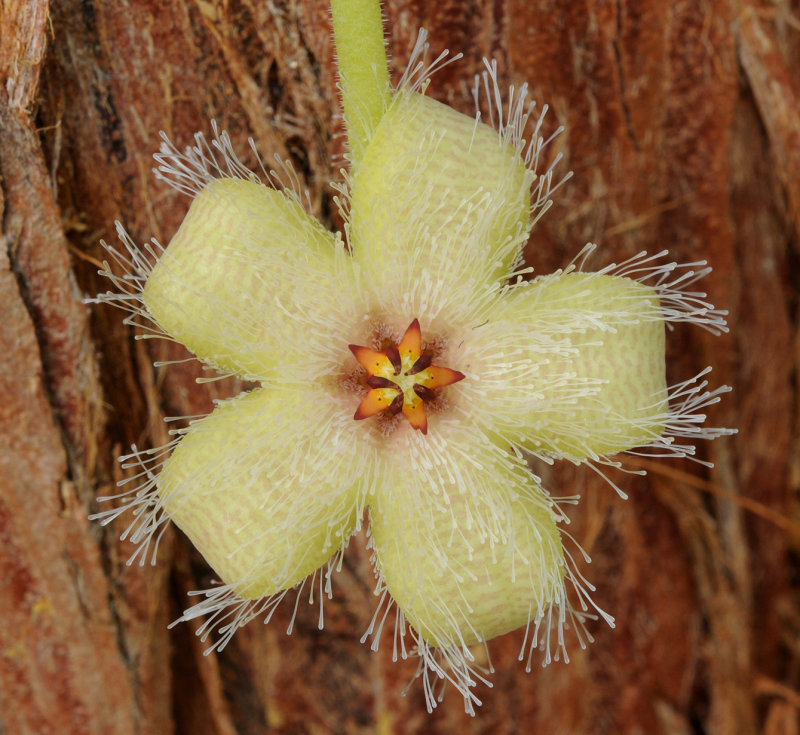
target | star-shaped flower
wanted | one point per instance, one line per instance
(405, 369)
(401, 378)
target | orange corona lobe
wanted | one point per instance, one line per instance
(401, 378)
(375, 363)
(410, 346)
(440, 377)
(377, 400)
(416, 415)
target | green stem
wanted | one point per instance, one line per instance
(363, 68)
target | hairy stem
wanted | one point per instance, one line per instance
(363, 69)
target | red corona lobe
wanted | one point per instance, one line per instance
(401, 378)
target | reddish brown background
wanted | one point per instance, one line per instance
(683, 129)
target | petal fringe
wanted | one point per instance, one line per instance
(467, 546)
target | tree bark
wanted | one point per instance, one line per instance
(683, 131)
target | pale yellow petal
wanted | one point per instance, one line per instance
(440, 207)
(245, 275)
(570, 365)
(266, 487)
(465, 540)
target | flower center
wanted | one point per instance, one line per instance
(401, 378)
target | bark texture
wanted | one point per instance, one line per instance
(683, 130)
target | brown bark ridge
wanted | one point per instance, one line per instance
(683, 130)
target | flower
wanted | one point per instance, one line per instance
(405, 369)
